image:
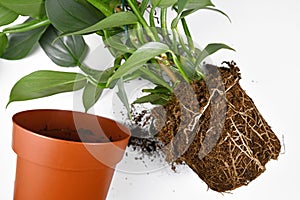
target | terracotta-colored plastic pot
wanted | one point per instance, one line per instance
(57, 169)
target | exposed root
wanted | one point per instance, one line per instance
(226, 150)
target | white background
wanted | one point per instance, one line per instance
(265, 35)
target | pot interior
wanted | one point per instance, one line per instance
(71, 126)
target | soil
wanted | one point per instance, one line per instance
(214, 127)
(81, 135)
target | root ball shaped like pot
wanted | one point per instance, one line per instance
(215, 128)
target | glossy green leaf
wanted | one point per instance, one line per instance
(163, 3)
(194, 4)
(3, 43)
(109, 22)
(181, 5)
(123, 96)
(156, 99)
(210, 49)
(67, 51)
(219, 11)
(103, 6)
(70, 15)
(154, 77)
(7, 16)
(46, 83)
(187, 7)
(32, 8)
(91, 95)
(158, 90)
(188, 12)
(21, 44)
(139, 57)
(93, 9)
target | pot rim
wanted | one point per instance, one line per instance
(122, 127)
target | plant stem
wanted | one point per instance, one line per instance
(174, 41)
(183, 45)
(163, 19)
(140, 33)
(141, 19)
(143, 6)
(188, 35)
(28, 26)
(165, 66)
(152, 23)
(179, 66)
(137, 13)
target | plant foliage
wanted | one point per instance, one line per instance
(142, 48)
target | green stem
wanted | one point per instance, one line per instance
(143, 6)
(165, 66)
(137, 13)
(152, 23)
(140, 33)
(174, 41)
(28, 26)
(183, 45)
(151, 17)
(179, 66)
(188, 35)
(141, 19)
(89, 71)
(95, 83)
(163, 19)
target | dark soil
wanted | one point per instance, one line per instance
(81, 135)
(213, 126)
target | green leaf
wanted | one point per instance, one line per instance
(67, 51)
(188, 7)
(102, 6)
(181, 5)
(210, 49)
(93, 9)
(91, 95)
(191, 6)
(194, 4)
(219, 11)
(70, 15)
(138, 58)
(163, 3)
(32, 8)
(45, 83)
(156, 99)
(21, 44)
(123, 96)
(3, 43)
(158, 90)
(154, 77)
(109, 22)
(7, 16)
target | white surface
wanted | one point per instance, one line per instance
(265, 35)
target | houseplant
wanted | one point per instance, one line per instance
(212, 125)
